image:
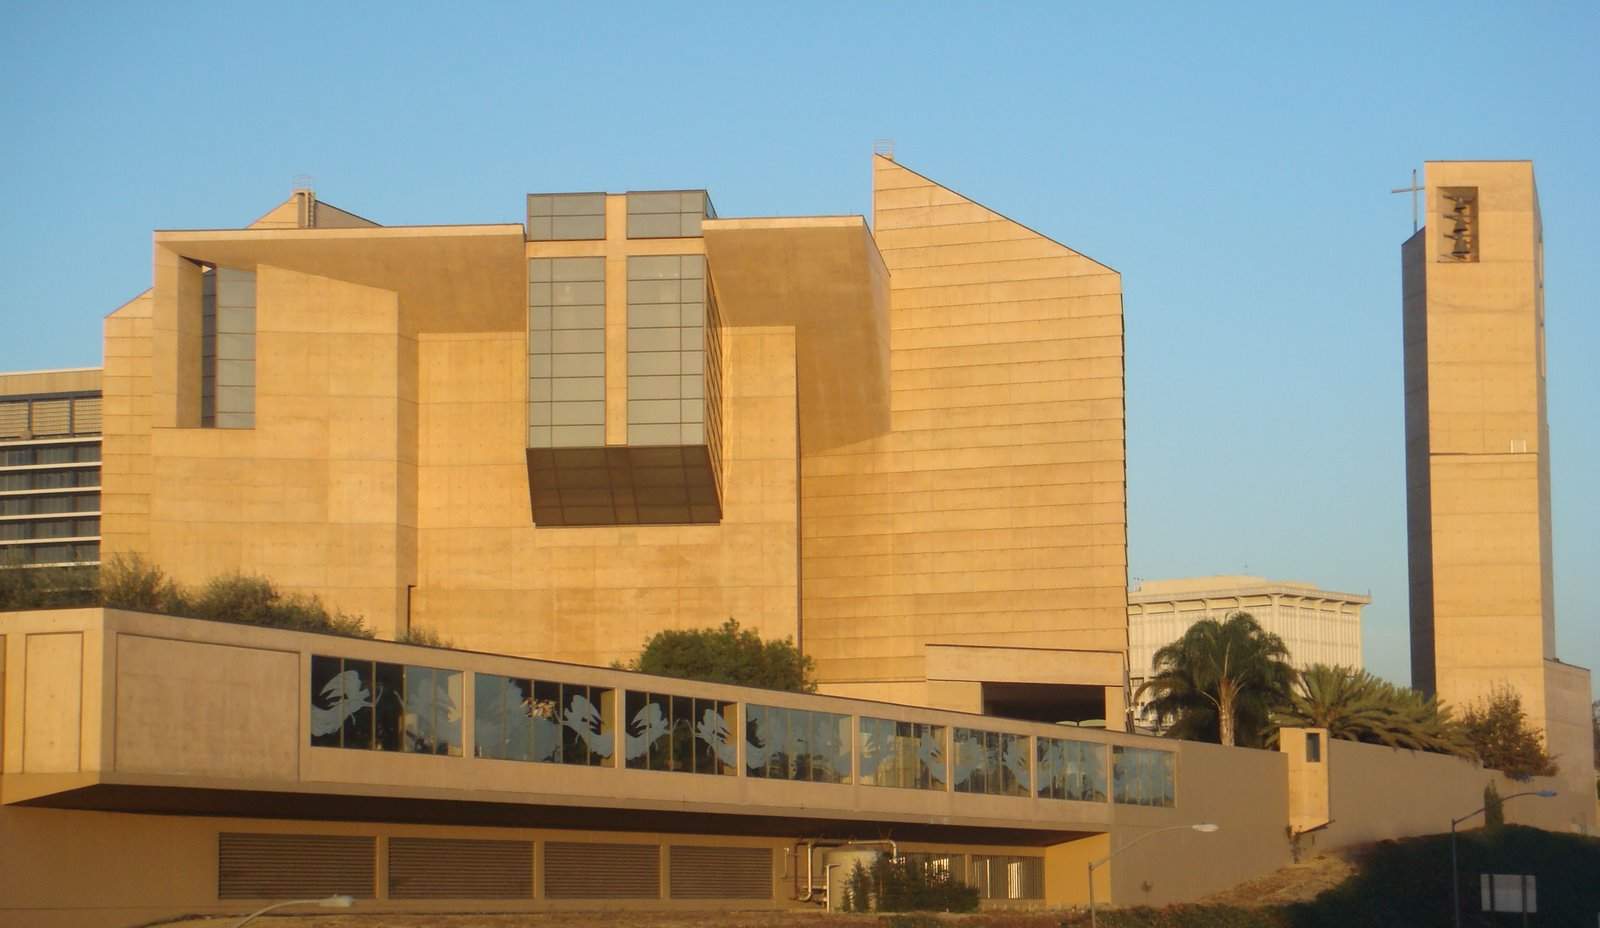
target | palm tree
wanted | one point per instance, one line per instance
(1221, 678)
(1357, 706)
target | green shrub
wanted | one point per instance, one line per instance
(128, 581)
(256, 601)
(424, 636)
(900, 885)
(858, 890)
(26, 587)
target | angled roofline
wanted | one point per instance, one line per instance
(991, 209)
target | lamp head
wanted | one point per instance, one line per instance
(1206, 827)
(1546, 793)
(337, 902)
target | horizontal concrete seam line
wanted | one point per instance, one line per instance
(901, 452)
(1026, 321)
(900, 356)
(931, 571)
(1068, 254)
(1011, 280)
(1002, 425)
(931, 364)
(944, 594)
(905, 491)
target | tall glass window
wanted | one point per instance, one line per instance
(990, 762)
(227, 348)
(374, 706)
(680, 733)
(1142, 777)
(667, 213)
(542, 721)
(1071, 770)
(909, 755)
(793, 744)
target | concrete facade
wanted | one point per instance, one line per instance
(875, 441)
(1478, 456)
(1318, 626)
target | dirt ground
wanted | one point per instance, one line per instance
(616, 919)
(1295, 883)
(1299, 882)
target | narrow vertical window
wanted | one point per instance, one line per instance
(227, 348)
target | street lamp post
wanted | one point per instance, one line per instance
(1455, 872)
(1202, 827)
(331, 902)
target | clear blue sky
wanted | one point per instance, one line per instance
(1234, 164)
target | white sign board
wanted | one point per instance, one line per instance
(1509, 892)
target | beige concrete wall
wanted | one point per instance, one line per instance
(24, 383)
(1377, 793)
(319, 495)
(1569, 732)
(149, 868)
(126, 423)
(52, 699)
(993, 510)
(491, 580)
(206, 710)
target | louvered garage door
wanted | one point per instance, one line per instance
(720, 872)
(268, 866)
(460, 868)
(601, 871)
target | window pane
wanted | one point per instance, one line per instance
(389, 701)
(328, 701)
(638, 731)
(489, 715)
(447, 712)
(756, 741)
(358, 694)
(545, 714)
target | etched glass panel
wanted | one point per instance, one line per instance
(680, 733)
(1142, 777)
(1073, 770)
(908, 755)
(991, 762)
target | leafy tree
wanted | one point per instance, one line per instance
(1494, 808)
(729, 654)
(1596, 709)
(858, 892)
(1219, 681)
(1500, 736)
(1357, 706)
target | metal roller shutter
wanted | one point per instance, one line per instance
(86, 415)
(460, 868)
(720, 872)
(601, 871)
(52, 417)
(14, 419)
(278, 866)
